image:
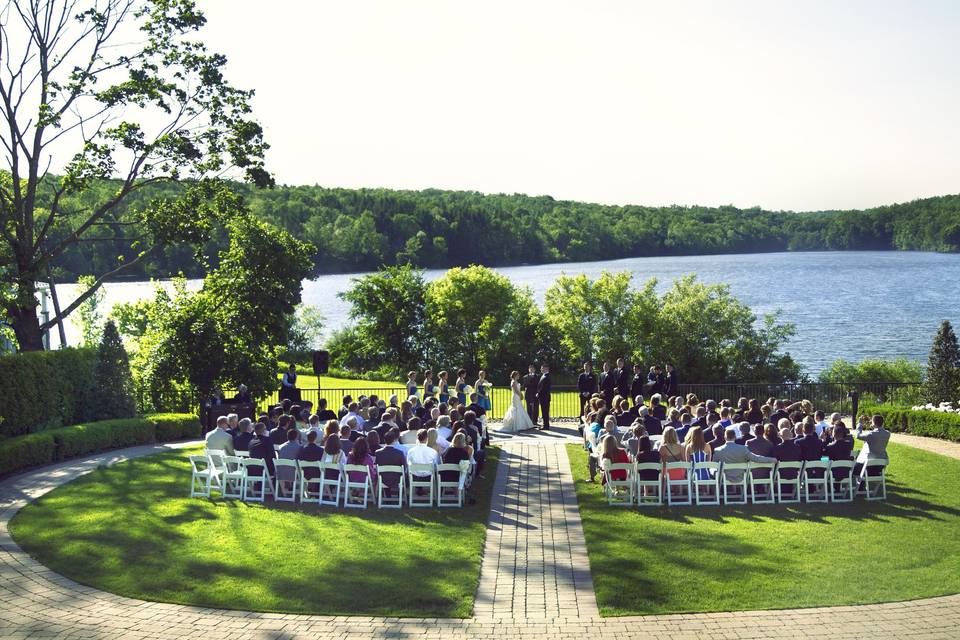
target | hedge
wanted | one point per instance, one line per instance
(932, 424)
(46, 389)
(46, 447)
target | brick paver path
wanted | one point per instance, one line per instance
(534, 548)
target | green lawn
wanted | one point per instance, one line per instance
(683, 559)
(129, 530)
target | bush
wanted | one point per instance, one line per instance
(35, 449)
(932, 424)
(45, 389)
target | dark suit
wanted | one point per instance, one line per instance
(787, 451)
(530, 383)
(391, 456)
(652, 425)
(278, 436)
(811, 448)
(777, 415)
(262, 449)
(671, 385)
(543, 398)
(608, 387)
(311, 453)
(587, 386)
(636, 386)
(839, 450)
(623, 382)
(242, 441)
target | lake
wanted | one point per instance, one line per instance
(852, 305)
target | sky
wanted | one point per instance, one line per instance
(784, 105)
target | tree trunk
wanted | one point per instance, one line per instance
(26, 326)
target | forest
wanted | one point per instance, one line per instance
(364, 229)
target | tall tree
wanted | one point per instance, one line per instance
(943, 367)
(101, 89)
(111, 377)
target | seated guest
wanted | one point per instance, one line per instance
(712, 412)
(473, 434)
(219, 439)
(672, 451)
(759, 444)
(754, 415)
(435, 442)
(232, 421)
(610, 428)
(719, 437)
(657, 410)
(261, 448)
(333, 455)
(673, 419)
(420, 453)
(622, 414)
(278, 436)
(311, 453)
(787, 451)
(613, 454)
(697, 450)
(685, 424)
(811, 447)
(242, 441)
(700, 417)
(360, 455)
(740, 411)
(455, 454)
(821, 422)
(874, 446)
(391, 456)
(346, 442)
(444, 430)
(323, 413)
(733, 453)
(651, 423)
(839, 448)
(353, 412)
(744, 434)
(289, 451)
(631, 442)
(474, 406)
(725, 420)
(646, 454)
(373, 441)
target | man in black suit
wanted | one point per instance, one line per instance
(811, 446)
(543, 395)
(586, 385)
(608, 385)
(262, 448)
(530, 382)
(311, 453)
(391, 455)
(670, 382)
(623, 379)
(637, 384)
(241, 442)
(653, 426)
(787, 451)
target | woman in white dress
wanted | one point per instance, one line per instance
(516, 418)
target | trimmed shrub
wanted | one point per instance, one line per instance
(932, 424)
(45, 389)
(35, 449)
(27, 451)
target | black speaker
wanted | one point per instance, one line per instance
(321, 362)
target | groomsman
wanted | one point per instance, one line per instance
(530, 382)
(623, 379)
(637, 384)
(543, 395)
(586, 385)
(608, 385)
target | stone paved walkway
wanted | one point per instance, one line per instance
(534, 582)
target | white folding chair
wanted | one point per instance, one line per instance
(618, 492)
(330, 486)
(790, 468)
(310, 487)
(241, 454)
(203, 476)
(684, 497)
(875, 484)
(232, 477)
(390, 502)
(761, 488)
(643, 494)
(841, 484)
(738, 487)
(356, 493)
(422, 483)
(280, 492)
(256, 484)
(706, 490)
(816, 481)
(450, 492)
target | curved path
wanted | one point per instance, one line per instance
(533, 581)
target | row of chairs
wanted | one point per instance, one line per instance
(248, 479)
(706, 483)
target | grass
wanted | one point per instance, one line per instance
(129, 530)
(685, 559)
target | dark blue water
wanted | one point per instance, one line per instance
(851, 305)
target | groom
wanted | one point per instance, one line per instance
(543, 395)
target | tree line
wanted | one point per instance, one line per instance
(364, 229)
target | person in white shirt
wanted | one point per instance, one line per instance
(821, 422)
(444, 432)
(420, 453)
(219, 439)
(353, 413)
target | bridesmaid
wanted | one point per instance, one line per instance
(429, 389)
(444, 387)
(483, 398)
(461, 386)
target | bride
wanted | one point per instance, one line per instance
(516, 418)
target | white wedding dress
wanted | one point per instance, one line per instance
(516, 419)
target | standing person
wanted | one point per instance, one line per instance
(543, 395)
(671, 382)
(412, 384)
(586, 385)
(482, 392)
(288, 385)
(874, 445)
(461, 386)
(516, 418)
(530, 382)
(608, 385)
(637, 384)
(444, 387)
(653, 381)
(622, 378)
(429, 390)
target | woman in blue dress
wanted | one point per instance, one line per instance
(698, 451)
(429, 389)
(461, 386)
(444, 387)
(483, 397)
